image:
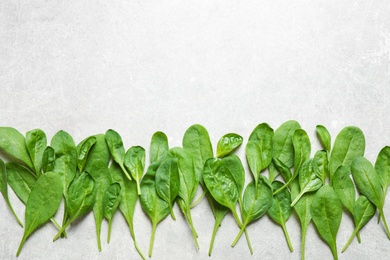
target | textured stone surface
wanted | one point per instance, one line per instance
(143, 66)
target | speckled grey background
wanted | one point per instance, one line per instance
(143, 66)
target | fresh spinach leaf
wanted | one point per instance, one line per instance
(36, 144)
(115, 145)
(81, 194)
(188, 185)
(256, 202)
(382, 168)
(280, 211)
(368, 183)
(48, 159)
(111, 200)
(197, 141)
(326, 211)
(283, 142)
(156, 208)
(158, 147)
(13, 143)
(82, 151)
(129, 196)
(308, 180)
(363, 211)
(134, 162)
(4, 189)
(349, 144)
(344, 188)
(168, 182)
(228, 143)
(324, 137)
(320, 165)
(42, 204)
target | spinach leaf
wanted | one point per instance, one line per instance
(255, 204)
(349, 143)
(111, 200)
(382, 168)
(36, 144)
(158, 147)
(4, 190)
(42, 204)
(308, 180)
(97, 166)
(129, 196)
(115, 145)
(344, 188)
(259, 150)
(188, 185)
(326, 211)
(156, 208)
(168, 182)
(363, 211)
(283, 169)
(197, 141)
(65, 163)
(83, 149)
(283, 142)
(13, 143)
(134, 162)
(324, 137)
(320, 165)
(368, 183)
(228, 143)
(302, 208)
(81, 194)
(221, 184)
(22, 180)
(48, 159)
(280, 211)
(302, 149)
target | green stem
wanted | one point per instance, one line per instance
(55, 223)
(248, 241)
(130, 224)
(13, 212)
(194, 233)
(65, 217)
(334, 252)
(154, 226)
(285, 185)
(139, 250)
(297, 199)
(217, 224)
(384, 222)
(199, 199)
(172, 213)
(287, 237)
(125, 172)
(358, 237)
(238, 235)
(109, 230)
(303, 241)
(21, 245)
(350, 239)
(62, 230)
(138, 188)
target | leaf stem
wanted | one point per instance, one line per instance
(109, 230)
(13, 212)
(238, 235)
(350, 239)
(138, 188)
(303, 240)
(384, 222)
(287, 237)
(217, 224)
(154, 227)
(21, 245)
(194, 233)
(55, 223)
(284, 186)
(297, 199)
(125, 172)
(62, 229)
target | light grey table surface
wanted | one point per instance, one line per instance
(143, 66)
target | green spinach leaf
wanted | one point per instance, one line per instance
(134, 162)
(324, 137)
(158, 147)
(228, 143)
(36, 144)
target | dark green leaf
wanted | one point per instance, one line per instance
(82, 151)
(117, 151)
(42, 204)
(344, 188)
(382, 167)
(282, 142)
(48, 159)
(326, 211)
(111, 200)
(134, 162)
(320, 165)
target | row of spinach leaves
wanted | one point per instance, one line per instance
(99, 175)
